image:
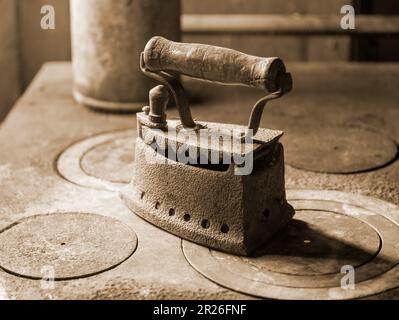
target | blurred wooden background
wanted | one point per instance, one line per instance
(24, 46)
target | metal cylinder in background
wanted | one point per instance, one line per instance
(107, 39)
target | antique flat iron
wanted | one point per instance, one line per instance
(219, 185)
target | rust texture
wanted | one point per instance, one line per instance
(207, 205)
(214, 63)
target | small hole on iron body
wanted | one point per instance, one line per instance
(205, 223)
(186, 217)
(266, 213)
(171, 212)
(224, 228)
(157, 205)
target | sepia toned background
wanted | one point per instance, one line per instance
(70, 170)
(24, 46)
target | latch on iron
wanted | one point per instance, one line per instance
(220, 185)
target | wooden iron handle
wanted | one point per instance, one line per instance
(216, 64)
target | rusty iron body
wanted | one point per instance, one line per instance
(234, 200)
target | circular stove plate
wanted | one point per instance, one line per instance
(102, 162)
(334, 149)
(73, 245)
(331, 232)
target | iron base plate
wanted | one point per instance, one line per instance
(330, 231)
(335, 149)
(68, 245)
(104, 161)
